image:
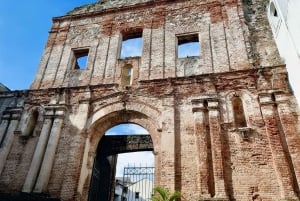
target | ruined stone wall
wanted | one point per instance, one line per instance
(50, 133)
(198, 148)
(229, 40)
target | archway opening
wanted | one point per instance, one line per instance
(124, 165)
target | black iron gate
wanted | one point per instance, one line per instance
(104, 186)
(138, 183)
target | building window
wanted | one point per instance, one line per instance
(126, 79)
(188, 46)
(131, 45)
(137, 195)
(125, 189)
(80, 58)
(273, 16)
(238, 112)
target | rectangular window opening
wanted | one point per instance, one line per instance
(137, 195)
(80, 58)
(131, 45)
(188, 46)
(126, 79)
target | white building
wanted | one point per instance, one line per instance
(140, 191)
(121, 188)
(285, 22)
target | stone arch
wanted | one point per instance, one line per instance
(150, 112)
(108, 116)
(117, 117)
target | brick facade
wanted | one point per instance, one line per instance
(186, 104)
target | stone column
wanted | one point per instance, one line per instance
(217, 148)
(275, 142)
(85, 169)
(12, 117)
(9, 137)
(3, 129)
(289, 127)
(38, 156)
(202, 146)
(48, 161)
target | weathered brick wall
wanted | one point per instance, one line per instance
(229, 40)
(246, 165)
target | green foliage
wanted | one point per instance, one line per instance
(163, 194)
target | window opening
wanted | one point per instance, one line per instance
(238, 111)
(188, 46)
(126, 79)
(131, 45)
(273, 15)
(80, 58)
(137, 195)
(273, 97)
(273, 10)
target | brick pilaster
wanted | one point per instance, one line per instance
(12, 117)
(280, 162)
(48, 161)
(217, 147)
(38, 156)
(200, 132)
(289, 128)
(3, 129)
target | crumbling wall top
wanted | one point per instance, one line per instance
(104, 5)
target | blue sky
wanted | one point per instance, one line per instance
(145, 158)
(24, 27)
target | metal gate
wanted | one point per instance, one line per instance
(138, 183)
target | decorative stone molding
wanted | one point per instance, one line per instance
(244, 132)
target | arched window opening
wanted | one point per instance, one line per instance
(273, 15)
(31, 124)
(126, 79)
(238, 111)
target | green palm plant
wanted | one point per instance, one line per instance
(163, 194)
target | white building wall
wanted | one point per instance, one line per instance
(285, 22)
(143, 187)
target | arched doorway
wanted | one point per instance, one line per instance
(102, 172)
(102, 185)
